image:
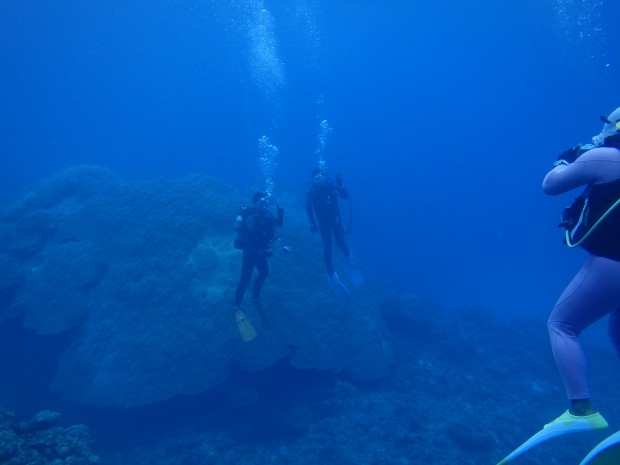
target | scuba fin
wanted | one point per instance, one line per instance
(565, 424)
(342, 293)
(246, 329)
(605, 453)
(355, 273)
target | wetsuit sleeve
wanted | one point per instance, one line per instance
(309, 208)
(342, 192)
(597, 166)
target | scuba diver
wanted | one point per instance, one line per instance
(322, 206)
(593, 223)
(255, 231)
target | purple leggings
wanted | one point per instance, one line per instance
(593, 293)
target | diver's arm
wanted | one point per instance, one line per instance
(341, 191)
(596, 166)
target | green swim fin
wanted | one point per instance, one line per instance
(246, 329)
(606, 453)
(565, 424)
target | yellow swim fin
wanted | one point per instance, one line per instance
(246, 329)
(565, 424)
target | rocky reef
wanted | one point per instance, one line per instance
(467, 388)
(115, 305)
(139, 277)
(42, 441)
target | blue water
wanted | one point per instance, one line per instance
(442, 115)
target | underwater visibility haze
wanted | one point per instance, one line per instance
(132, 132)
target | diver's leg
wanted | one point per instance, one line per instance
(339, 236)
(247, 265)
(614, 329)
(593, 293)
(326, 237)
(262, 266)
(355, 273)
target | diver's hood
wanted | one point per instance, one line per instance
(609, 129)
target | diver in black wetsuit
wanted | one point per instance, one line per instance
(322, 207)
(255, 231)
(322, 202)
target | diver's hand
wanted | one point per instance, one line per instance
(313, 228)
(569, 156)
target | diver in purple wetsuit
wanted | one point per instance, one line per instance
(593, 223)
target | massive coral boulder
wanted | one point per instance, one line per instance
(141, 276)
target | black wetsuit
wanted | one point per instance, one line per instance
(259, 232)
(603, 240)
(322, 202)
